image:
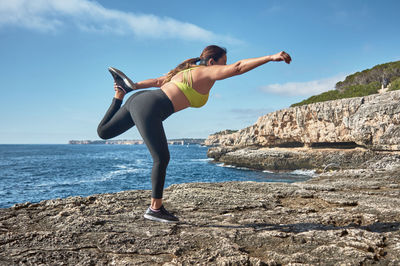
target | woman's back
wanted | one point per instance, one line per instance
(196, 78)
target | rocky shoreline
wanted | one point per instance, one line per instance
(343, 133)
(284, 159)
(347, 217)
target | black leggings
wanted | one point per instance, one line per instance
(145, 109)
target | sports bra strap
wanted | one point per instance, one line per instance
(187, 77)
(189, 74)
(184, 76)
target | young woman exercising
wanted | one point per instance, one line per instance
(188, 85)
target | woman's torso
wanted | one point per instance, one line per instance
(200, 83)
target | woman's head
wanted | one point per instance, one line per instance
(213, 54)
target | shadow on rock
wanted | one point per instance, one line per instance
(304, 227)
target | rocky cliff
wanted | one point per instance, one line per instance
(357, 128)
(339, 218)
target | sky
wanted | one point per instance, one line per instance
(54, 56)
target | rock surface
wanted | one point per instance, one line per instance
(348, 217)
(278, 159)
(372, 122)
(345, 132)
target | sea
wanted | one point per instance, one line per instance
(32, 173)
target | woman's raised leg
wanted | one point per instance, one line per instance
(117, 120)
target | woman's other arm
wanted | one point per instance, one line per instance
(150, 83)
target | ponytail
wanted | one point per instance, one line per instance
(182, 66)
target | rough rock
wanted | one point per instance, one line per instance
(348, 217)
(283, 159)
(344, 132)
(372, 122)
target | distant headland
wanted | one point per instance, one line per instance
(185, 141)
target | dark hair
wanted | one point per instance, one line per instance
(212, 51)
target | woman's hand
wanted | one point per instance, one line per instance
(281, 56)
(117, 87)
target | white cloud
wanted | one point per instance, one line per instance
(51, 15)
(304, 88)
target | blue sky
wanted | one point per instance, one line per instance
(54, 56)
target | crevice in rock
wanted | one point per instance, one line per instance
(335, 145)
(293, 144)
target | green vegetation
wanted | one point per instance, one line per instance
(225, 132)
(390, 71)
(395, 85)
(360, 84)
(352, 91)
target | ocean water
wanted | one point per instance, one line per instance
(38, 172)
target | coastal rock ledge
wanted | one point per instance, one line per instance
(345, 133)
(348, 217)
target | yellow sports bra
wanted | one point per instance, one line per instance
(195, 98)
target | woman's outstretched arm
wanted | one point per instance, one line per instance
(218, 72)
(249, 64)
(150, 83)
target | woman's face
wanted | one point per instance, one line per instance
(222, 60)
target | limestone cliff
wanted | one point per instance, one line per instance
(370, 123)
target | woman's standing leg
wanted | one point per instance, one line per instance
(148, 112)
(154, 137)
(156, 141)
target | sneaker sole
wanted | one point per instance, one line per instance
(149, 217)
(126, 80)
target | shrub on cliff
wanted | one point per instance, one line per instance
(390, 71)
(352, 91)
(360, 84)
(395, 85)
(225, 132)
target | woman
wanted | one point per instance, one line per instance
(188, 85)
